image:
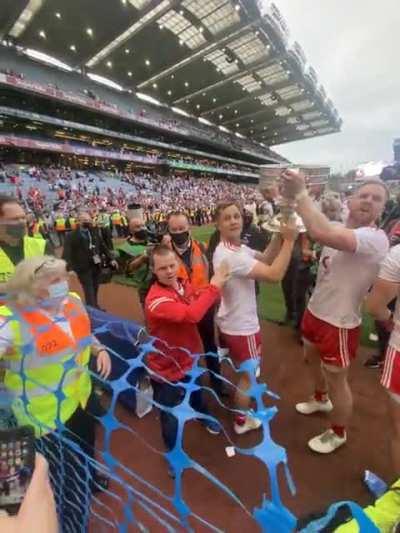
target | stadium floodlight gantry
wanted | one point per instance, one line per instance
(229, 65)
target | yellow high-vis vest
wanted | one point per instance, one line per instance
(60, 224)
(32, 248)
(47, 369)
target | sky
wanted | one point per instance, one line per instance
(353, 46)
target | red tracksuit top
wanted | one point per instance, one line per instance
(173, 319)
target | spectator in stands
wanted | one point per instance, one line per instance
(84, 252)
(15, 245)
(193, 266)
(173, 309)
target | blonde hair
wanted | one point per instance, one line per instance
(373, 181)
(30, 273)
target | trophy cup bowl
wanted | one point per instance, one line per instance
(269, 176)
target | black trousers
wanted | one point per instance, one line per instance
(90, 285)
(107, 237)
(61, 237)
(295, 285)
(70, 470)
(207, 334)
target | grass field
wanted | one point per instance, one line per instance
(271, 303)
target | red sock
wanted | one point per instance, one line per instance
(339, 430)
(321, 396)
(240, 420)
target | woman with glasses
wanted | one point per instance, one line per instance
(45, 346)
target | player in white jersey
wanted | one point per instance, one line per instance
(386, 289)
(331, 325)
(237, 320)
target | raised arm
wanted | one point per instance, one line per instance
(271, 251)
(318, 226)
(275, 271)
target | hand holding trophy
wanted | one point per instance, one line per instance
(292, 183)
(288, 182)
(270, 180)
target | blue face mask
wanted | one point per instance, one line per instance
(58, 290)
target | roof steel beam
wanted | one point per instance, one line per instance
(25, 17)
(222, 39)
(150, 13)
(288, 102)
(249, 69)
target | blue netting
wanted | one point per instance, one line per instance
(131, 500)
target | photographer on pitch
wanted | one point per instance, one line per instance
(133, 257)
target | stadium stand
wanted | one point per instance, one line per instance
(172, 106)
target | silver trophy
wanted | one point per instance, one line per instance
(269, 188)
(317, 178)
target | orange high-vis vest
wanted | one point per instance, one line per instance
(198, 274)
(50, 340)
(60, 224)
(54, 379)
(73, 223)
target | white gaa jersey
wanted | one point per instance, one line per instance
(344, 278)
(237, 313)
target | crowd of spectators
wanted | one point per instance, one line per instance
(64, 190)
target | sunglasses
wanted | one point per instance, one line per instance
(48, 262)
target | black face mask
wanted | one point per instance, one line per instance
(140, 235)
(15, 231)
(180, 238)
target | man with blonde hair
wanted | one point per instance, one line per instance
(331, 324)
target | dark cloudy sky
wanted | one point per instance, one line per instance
(354, 47)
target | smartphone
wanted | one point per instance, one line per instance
(17, 461)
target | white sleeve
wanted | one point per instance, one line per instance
(241, 263)
(371, 241)
(249, 251)
(390, 268)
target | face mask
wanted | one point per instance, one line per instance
(180, 238)
(58, 290)
(86, 225)
(15, 231)
(140, 235)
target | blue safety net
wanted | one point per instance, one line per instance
(131, 501)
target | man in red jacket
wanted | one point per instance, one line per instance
(173, 309)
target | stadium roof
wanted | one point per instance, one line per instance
(228, 62)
